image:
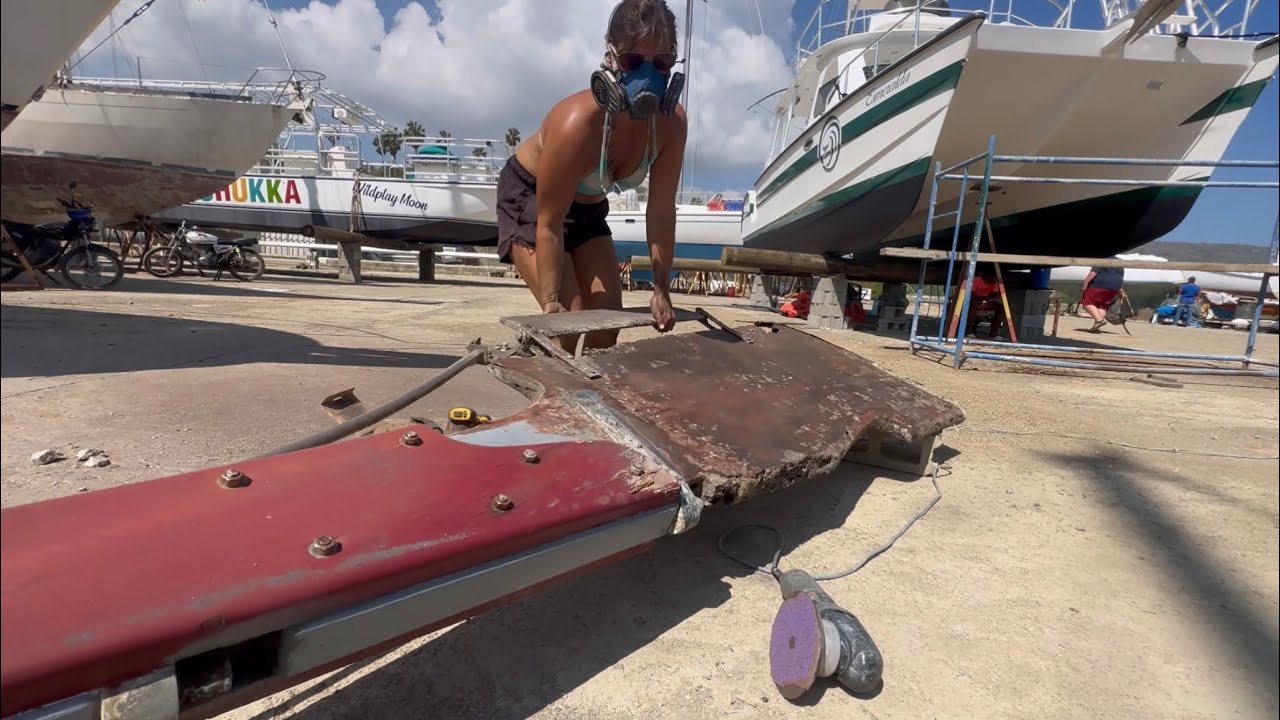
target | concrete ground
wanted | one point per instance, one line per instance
(1065, 573)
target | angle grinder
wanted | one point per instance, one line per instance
(814, 637)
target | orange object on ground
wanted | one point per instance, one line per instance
(797, 307)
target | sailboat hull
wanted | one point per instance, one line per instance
(853, 176)
(407, 210)
(36, 38)
(1054, 92)
(130, 153)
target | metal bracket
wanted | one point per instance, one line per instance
(617, 428)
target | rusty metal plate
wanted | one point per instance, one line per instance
(738, 419)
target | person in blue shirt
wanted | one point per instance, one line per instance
(1187, 293)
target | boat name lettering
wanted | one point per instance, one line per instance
(258, 190)
(893, 86)
(388, 196)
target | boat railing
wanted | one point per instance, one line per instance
(451, 158)
(834, 19)
(271, 86)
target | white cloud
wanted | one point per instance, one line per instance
(473, 67)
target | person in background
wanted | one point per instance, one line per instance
(1187, 294)
(1100, 289)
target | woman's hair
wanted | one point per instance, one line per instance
(635, 19)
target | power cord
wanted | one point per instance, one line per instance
(772, 568)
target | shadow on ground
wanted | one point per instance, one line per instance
(571, 632)
(1210, 594)
(50, 342)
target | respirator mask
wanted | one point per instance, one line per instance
(637, 84)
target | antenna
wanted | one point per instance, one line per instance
(272, 16)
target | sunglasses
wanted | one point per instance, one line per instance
(629, 61)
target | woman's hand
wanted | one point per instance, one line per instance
(663, 316)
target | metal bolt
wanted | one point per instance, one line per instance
(324, 546)
(502, 503)
(530, 455)
(410, 438)
(233, 479)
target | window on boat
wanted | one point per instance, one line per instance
(828, 94)
(873, 70)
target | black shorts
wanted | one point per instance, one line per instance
(518, 214)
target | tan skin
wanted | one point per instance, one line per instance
(565, 149)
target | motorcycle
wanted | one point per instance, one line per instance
(64, 245)
(205, 252)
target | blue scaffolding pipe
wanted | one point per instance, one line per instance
(1161, 369)
(1114, 351)
(1041, 159)
(1134, 183)
(956, 348)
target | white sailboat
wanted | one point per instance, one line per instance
(36, 38)
(1164, 79)
(134, 148)
(319, 172)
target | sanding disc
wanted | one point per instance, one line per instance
(795, 647)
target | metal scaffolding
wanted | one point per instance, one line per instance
(1033, 354)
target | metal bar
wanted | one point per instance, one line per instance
(967, 300)
(1115, 351)
(928, 232)
(1056, 261)
(930, 344)
(1162, 369)
(951, 262)
(1262, 294)
(1048, 159)
(317, 643)
(1133, 183)
(962, 164)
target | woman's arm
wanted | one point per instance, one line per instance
(660, 214)
(566, 132)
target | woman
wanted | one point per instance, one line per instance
(552, 204)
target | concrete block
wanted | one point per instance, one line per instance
(763, 290)
(877, 449)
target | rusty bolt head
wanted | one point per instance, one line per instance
(530, 455)
(502, 503)
(411, 438)
(233, 478)
(324, 546)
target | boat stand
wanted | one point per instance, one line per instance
(959, 348)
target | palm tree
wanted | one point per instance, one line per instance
(479, 152)
(444, 134)
(388, 143)
(513, 137)
(414, 129)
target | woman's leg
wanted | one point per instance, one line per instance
(599, 282)
(523, 258)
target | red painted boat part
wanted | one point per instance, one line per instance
(106, 586)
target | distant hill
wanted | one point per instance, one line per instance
(1205, 252)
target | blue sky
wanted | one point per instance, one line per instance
(1221, 215)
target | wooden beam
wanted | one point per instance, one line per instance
(644, 262)
(789, 263)
(1056, 261)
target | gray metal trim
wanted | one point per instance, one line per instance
(316, 643)
(79, 707)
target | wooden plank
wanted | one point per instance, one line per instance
(789, 263)
(584, 321)
(1055, 261)
(644, 262)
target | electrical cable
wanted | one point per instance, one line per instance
(772, 569)
(383, 411)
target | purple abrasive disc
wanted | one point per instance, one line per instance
(795, 646)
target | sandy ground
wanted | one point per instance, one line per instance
(1058, 577)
